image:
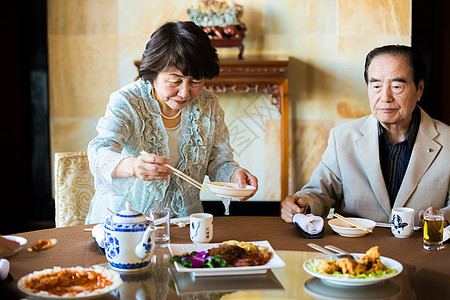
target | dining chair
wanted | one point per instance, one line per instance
(74, 188)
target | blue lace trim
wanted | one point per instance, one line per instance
(129, 266)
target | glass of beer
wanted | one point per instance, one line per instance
(433, 230)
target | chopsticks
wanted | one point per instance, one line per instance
(187, 178)
(184, 176)
(351, 222)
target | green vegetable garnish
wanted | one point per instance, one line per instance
(199, 260)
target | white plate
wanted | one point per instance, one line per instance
(185, 284)
(388, 262)
(322, 290)
(22, 241)
(230, 190)
(110, 274)
(345, 229)
(179, 249)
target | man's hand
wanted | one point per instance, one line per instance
(293, 205)
(432, 210)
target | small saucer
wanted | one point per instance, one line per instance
(230, 190)
(18, 239)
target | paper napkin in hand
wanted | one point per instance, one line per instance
(311, 225)
(4, 269)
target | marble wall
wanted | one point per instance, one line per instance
(93, 43)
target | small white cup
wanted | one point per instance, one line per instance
(201, 230)
(402, 222)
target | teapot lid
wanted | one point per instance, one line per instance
(128, 215)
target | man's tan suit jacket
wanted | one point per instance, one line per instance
(349, 177)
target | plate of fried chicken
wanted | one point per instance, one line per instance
(366, 269)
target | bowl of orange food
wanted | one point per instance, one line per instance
(345, 229)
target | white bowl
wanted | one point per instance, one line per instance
(345, 229)
(18, 239)
(230, 190)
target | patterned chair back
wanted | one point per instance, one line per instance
(74, 188)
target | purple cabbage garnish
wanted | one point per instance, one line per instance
(198, 259)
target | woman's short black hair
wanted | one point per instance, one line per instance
(182, 45)
(416, 62)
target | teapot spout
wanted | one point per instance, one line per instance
(146, 246)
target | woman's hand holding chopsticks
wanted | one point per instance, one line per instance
(151, 167)
(179, 173)
(145, 166)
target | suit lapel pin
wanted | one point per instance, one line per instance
(430, 150)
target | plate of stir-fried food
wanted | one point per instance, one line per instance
(365, 269)
(70, 283)
(227, 258)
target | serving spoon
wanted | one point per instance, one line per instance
(43, 244)
(338, 250)
(340, 254)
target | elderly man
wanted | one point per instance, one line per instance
(397, 156)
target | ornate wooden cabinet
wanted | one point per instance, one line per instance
(260, 75)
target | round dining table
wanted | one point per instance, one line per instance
(425, 275)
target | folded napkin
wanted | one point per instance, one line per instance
(4, 269)
(99, 236)
(310, 225)
(180, 222)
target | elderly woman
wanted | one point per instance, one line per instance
(168, 114)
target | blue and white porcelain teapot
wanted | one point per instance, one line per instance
(129, 240)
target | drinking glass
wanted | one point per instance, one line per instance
(433, 230)
(161, 219)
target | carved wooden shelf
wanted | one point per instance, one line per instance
(259, 75)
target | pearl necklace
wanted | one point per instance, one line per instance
(171, 118)
(152, 92)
